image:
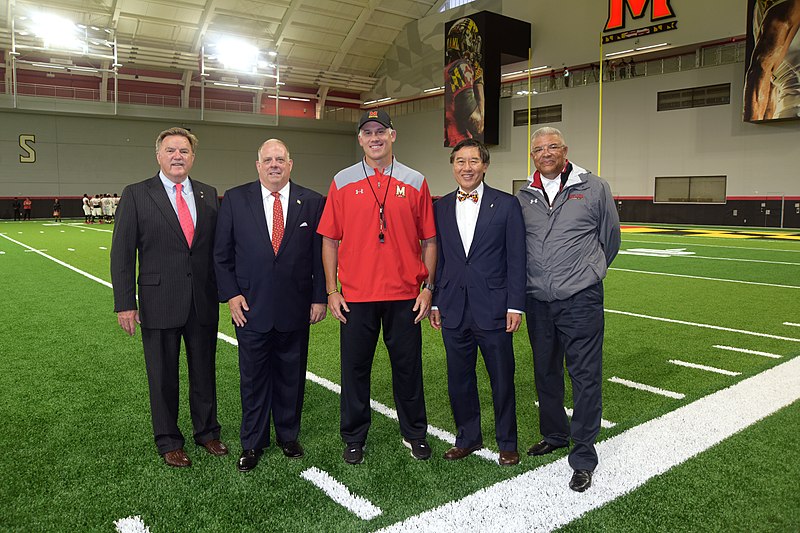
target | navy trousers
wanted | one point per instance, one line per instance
(570, 330)
(461, 345)
(272, 374)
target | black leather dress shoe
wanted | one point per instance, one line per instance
(543, 448)
(291, 449)
(581, 480)
(248, 460)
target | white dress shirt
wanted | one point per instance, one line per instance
(467, 217)
(266, 195)
(551, 187)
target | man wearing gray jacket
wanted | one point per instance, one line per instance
(572, 235)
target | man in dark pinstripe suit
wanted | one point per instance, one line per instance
(169, 221)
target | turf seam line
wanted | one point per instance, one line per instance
(751, 352)
(759, 283)
(539, 499)
(378, 407)
(647, 388)
(704, 367)
(603, 422)
(338, 492)
(707, 326)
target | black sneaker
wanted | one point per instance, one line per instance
(419, 448)
(353, 453)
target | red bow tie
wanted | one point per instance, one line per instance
(472, 196)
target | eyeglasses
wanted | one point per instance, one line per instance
(550, 148)
(461, 162)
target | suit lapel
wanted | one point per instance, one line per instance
(292, 214)
(200, 206)
(485, 215)
(256, 203)
(160, 198)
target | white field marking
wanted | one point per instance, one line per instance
(70, 249)
(681, 252)
(358, 505)
(2, 253)
(603, 422)
(378, 407)
(41, 232)
(62, 231)
(132, 524)
(751, 352)
(36, 250)
(707, 326)
(103, 248)
(716, 246)
(706, 278)
(704, 367)
(62, 263)
(50, 224)
(84, 228)
(791, 324)
(647, 388)
(540, 500)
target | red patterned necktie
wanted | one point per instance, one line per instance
(184, 216)
(277, 222)
(472, 196)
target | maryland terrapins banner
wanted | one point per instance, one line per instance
(772, 63)
(475, 48)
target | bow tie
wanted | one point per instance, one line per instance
(472, 196)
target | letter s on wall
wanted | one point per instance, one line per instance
(26, 142)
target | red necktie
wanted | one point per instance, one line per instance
(277, 222)
(184, 216)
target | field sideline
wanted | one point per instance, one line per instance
(692, 314)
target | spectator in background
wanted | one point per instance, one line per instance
(17, 206)
(26, 209)
(56, 210)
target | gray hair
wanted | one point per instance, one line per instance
(547, 130)
(193, 142)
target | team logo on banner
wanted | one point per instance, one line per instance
(617, 9)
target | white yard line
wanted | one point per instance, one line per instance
(603, 422)
(705, 278)
(378, 407)
(338, 492)
(82, 226)
(647, 388)
(713, 246)
(132, 524)
(539, 500)
(740, 260)
(791, 324)
(751, 352)
(707, 326)
(58, 261)
(704, 367)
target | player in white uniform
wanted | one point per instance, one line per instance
(772, 83)
(87, 209)
(97, 209)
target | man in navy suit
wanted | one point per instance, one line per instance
(268, 260)
(478, 301)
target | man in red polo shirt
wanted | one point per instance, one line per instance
(379, 237)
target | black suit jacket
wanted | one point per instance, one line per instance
(171, 275)
(279, 289)
(492, 275)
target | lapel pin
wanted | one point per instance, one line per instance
(490, 206)
(298, 202)
(201, 195)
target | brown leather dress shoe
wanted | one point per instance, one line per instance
(455, 453)
(177, 458)
(508, 458)
(215, 447)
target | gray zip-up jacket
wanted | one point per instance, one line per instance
(571, 244)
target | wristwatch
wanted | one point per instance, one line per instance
(430, 286)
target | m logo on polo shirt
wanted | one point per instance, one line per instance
(401, 191)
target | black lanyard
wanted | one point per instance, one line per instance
(381, 206)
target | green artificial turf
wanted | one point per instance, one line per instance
(77, 441)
